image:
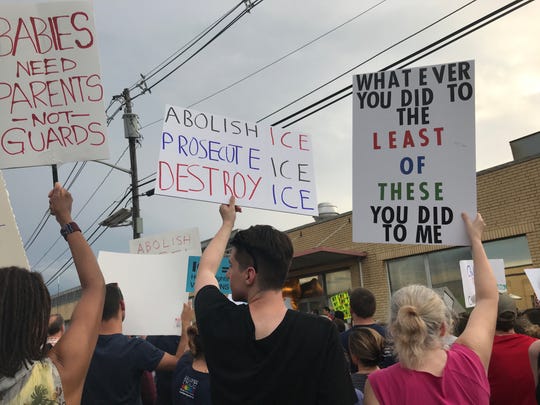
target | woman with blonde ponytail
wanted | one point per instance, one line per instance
(428, 371)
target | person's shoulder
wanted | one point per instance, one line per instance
(310, 321)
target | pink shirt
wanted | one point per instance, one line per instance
(464, 381)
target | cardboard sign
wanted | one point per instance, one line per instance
(208, 157)
(51, 95)
(186, 241)
(221, 275)
(11, 247)
(467, 278)
(534, 278)
(414, 154)
(153, 289)
(342, 302)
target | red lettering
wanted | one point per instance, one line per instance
(375, 143)
(160, 175)
(302, 138)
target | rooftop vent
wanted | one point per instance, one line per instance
(326, 210)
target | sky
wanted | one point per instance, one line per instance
(135, 36)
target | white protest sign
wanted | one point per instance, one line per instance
(51, 95)
(534, 278)
(153, 287)
(208, 157)
(186, 241)
(467, 278)
(11, 248)
(414, 154)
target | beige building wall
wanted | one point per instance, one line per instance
(508, 198)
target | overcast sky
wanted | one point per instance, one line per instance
(136, 35)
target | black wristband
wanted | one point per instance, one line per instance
(69, 228)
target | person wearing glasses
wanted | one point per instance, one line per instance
(262, 352)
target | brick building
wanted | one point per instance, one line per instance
(327, 262)
(509, 200)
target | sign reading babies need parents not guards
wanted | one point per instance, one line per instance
(414, 154)
(51, 95)
(209, 157)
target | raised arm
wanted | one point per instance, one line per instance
(73, 352)
(212, 255)
(480, 330)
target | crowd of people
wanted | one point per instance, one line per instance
(262, 352)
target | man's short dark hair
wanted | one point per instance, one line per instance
(113, 296)
(268, 250)
(363, 302)
(55, 324)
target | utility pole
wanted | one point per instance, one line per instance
(131, 132)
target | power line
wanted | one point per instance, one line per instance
(184, 48)
(361, 64)
(286, 55)
(499, 13)
(244, 12)
(82, 208)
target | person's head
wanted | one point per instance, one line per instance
(340, 324)
(339, 315)
(362, 302)
(195, 343)
(326, 311)
(260, 255)
(114, 302)
(56, 324)
(25, 305)
(506, 313)
(419, 320)
(366, 346)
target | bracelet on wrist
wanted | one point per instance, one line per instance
(69, 229)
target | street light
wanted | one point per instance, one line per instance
(117, 218)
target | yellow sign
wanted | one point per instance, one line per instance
(341, 302)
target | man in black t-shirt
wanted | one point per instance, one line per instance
(262, 353)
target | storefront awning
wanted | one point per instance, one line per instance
(322, 256)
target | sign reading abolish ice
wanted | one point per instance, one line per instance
(51, 96)
(11, 247)
(208, 157)
(414, 154)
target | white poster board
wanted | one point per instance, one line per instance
(187, 241)
(209, 158)
(153, 287)
(51, 95)
(467, 278)
(414, 154)
(11, 247)
(534, 278)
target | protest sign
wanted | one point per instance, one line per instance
(414, 154)
(208, 157)
(341, 302)
(467, 278)
(534, 278)
(221, 275)
(186, 241)
(11, 248)
(51, 95)
(153, 289)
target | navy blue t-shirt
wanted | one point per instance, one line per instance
(189, 386)
(114, 375)
(169, 344)
(388, 358)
